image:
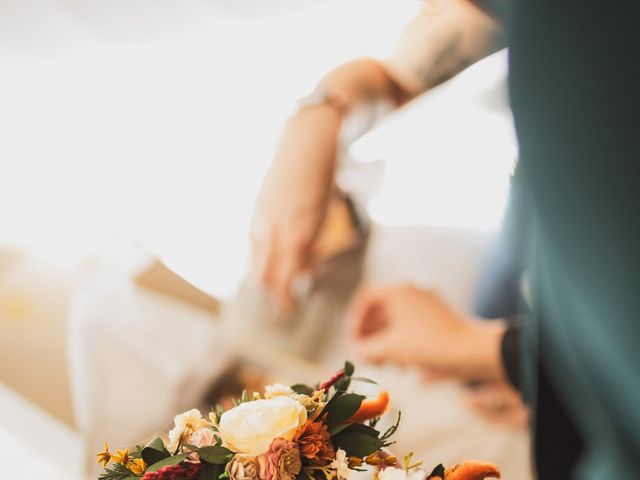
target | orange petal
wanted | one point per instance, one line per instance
(472, 471)
(371, 408)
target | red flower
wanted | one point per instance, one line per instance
(329, 383)
(184, 471)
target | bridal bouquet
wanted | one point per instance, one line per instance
(285, 433)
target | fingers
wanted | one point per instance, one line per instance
(277, 264)
(434, 375)
(263, 255)
(369, 325)
(288, 268)
(365, 315)
(497, 404)
(373, 349)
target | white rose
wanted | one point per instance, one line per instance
(278, 390)
(250, 427)
(185, 424)
(392, 473)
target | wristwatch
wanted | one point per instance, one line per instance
(322, 96)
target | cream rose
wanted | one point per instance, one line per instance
(250, 427)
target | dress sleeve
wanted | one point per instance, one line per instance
(510, 352)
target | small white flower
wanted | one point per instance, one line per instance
(278, 390)
(187, 422)
(341, 465)
(393, 473)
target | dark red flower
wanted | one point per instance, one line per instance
(329, 383)
(183, 471)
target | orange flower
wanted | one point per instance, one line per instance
(472, 471)
(104, 457)
(315, 443)
(371, 408)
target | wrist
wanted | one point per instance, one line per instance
(479, 354)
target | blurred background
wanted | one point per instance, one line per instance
(135, 136)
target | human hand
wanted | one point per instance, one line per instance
(409, 326)
(293, 201)
(499, 403)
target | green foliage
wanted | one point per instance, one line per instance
(437, 472)
(215, 455)
(174, 460)
(392, 430)
(349, 368)
(358, 440)
(364, 380)
(211, 472)
(154, 451)
(117, 472)
(342, 385)
(302, 389)
(342, 407)
(219, 410)
(337, 429)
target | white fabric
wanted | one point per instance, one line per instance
(436, 424)
(34, 445)
(136, 358)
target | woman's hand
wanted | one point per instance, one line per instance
(498, 403)
(293, 200)
(295, 194)
(409, 326)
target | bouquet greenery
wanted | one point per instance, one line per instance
(286, 433)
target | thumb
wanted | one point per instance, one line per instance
(365, 306)
(373, 348)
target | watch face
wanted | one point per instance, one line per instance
(316, 97)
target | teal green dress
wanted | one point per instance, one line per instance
(575, 91)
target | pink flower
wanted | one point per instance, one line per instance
(202, 437)
(281, 462)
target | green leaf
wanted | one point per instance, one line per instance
(357, 442)
(215, 455)
(361, 427)
(116, 472)
(338, 428)
(329, 403)
(154, 451)
(342, 385)
(392, 429)
(210, 472)
(348, 368)
(302, 389)
(364, 380)
(342, 407)
(437, 472)
(175, 460)
(244, 397)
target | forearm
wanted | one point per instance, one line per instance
(307, 148)
(310, 137)
(477, 355)
(445, 38)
